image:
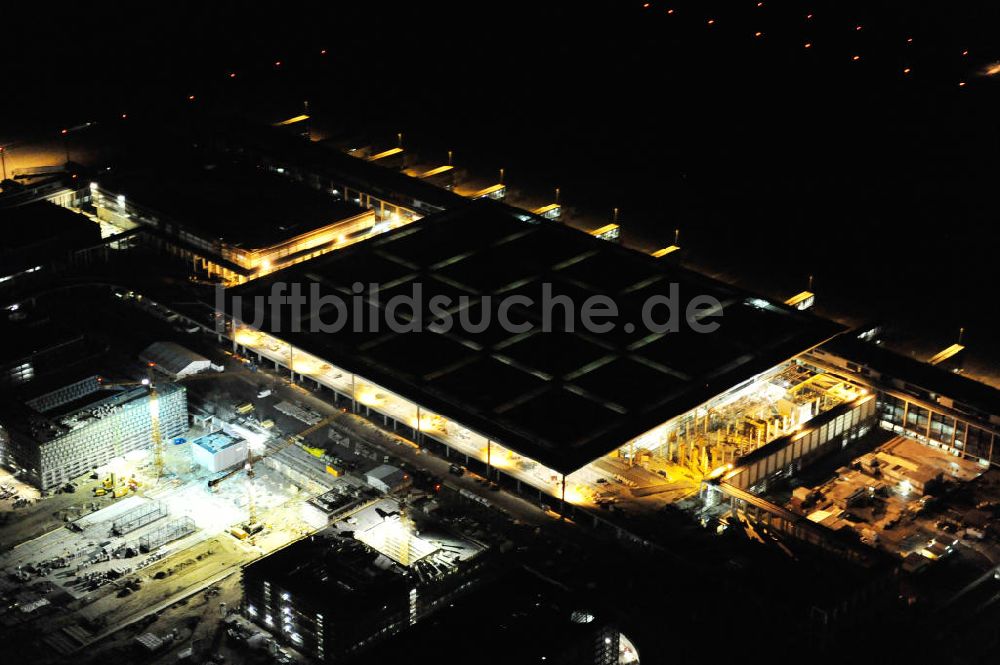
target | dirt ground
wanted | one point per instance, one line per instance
(18, 525)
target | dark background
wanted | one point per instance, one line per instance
(775, 161)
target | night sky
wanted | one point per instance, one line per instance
(776, 161)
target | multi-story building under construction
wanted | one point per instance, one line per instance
(63, 433)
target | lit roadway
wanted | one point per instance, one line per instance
(371, 434)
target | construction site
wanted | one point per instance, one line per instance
(310, 493)
(165, 520)
(670, 462)
(391, 564)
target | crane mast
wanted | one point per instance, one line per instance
(154, 417)
(253, 459)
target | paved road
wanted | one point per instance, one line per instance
(396, 446)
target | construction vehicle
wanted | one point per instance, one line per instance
(117, 486)
(252, 527)
(244, 408)
(238, 533)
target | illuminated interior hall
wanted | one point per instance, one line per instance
(231, 222)
(627, 414)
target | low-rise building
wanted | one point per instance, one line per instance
(218, 451)
(174, 360)
(387, 478)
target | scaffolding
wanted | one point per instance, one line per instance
(166, 533)
(115, 423)
(138, 517)
(742, 420)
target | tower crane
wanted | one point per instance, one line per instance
(252, 526)
(154, 412)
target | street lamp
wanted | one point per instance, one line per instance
(65, 135)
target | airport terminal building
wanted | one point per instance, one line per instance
(230, 221)
(576, 415)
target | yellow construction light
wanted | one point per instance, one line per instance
(577, 495)
(660, 253)
(369, 397)
(951, 351)
(429, 422)
(500, 459)
(546, 209)
(385, 153)
(607, 228)
(436, 171)
(719, 470)
(247, 337)
(801, 300)
(482, 193)
(306, 366)
(292, 121)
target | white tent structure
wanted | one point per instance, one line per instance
(174, 360)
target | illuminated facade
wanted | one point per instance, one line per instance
(331, 597)
(62, 434)
(584, 417)
(231, 261)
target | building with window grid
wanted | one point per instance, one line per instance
(60, 434)
(561, 411)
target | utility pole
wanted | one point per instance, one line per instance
(65, 135)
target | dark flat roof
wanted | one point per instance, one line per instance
(562, 398)
(35, 334)
(520, 617)
(38, 232)
(332, 574)
(222, 199)
(282, 147)
(938, 380)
